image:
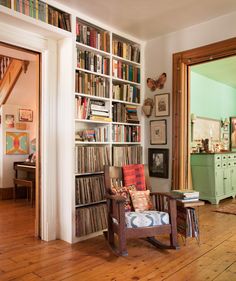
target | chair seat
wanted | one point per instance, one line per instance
(146, 219)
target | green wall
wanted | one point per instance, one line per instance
(210, 98)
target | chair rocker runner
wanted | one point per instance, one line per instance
(121, 223)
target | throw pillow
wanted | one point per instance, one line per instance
(124, 191)
(141, 200)
(134, 174)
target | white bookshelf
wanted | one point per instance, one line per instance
(89, 124)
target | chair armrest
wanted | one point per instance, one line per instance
(166, 194)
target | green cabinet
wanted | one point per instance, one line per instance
(214, 175)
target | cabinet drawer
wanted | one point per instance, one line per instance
(224, 164)
(218, 164)
(225, 157)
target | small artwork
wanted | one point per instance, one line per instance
(9, 121)
(159, 83)
(162, 105)
(17, 143)
(158, 132)
(26, 115)
(158, 162)
(233, 131)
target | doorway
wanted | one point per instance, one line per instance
(20, 128)
(181, 176)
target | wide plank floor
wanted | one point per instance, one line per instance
(25, 258)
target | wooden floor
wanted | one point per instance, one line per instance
(24, 258)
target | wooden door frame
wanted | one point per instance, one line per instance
(181, 104)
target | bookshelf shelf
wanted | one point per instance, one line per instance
(95, 50)
(125, 81)
(90, 204)
(92, 121)
(125, 124)
(126, 60)
(92, 72)
(120, 142)
(92, 97)
(126, 102)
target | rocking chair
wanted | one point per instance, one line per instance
(118, 219)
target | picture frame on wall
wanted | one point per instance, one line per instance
(233, 132)
(162, 105)
(158, 162)
(26, 115)
(158, 132)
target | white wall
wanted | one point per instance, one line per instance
(23, 96)
(158, 59)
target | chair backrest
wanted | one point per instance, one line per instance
(113, 173)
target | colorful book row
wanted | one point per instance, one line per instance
(125, 71)
(44, 12)
(91, 84)
(125, 50)
(99, 134)
(124, 113)
(92, 37)
(126, 92)
(125, 133)
(93, 62)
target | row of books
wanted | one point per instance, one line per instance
(126, 92)
(125, 155)
(124, 133)
(86, 108)
(187, 222)
(92, 37)
(99, 134)
(126, 50)
(44, 12)
(6, 3)
(124, 113)
(186, 195)
(93, 62)
(90, 159)
(125, 71)
(91, 84)
(92, 219)
(89, 189)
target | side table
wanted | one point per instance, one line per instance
(188, 219)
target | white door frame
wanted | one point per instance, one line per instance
(48, 49)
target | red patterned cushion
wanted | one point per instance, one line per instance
(124, 191)
(134, 175)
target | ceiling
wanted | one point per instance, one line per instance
(151, 18)
(222, 70)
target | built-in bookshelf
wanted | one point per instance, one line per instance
(41, 11)
(107, 117)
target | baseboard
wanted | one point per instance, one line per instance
(7, 193)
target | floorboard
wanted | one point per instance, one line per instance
(25, 258)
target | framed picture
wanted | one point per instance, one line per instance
(162, 105)
(158, 132)
(9, 120)
(233, 131)
(158, 162)
(26, 115)
(17, 143)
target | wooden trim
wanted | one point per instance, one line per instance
(181, 176)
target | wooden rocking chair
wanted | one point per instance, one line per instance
(116, 216)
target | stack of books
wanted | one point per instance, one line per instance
(186, 195)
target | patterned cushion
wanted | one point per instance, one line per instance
(134, 174)
(146, 219)
(124, 191)
(141, 200)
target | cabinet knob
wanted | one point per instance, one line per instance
(225, 178)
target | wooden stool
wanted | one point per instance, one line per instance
(24, 182)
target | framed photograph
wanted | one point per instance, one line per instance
(26, 115)
(158, 162)
(233, 132)
(162, 105)
(9, 120)
(158, 131)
